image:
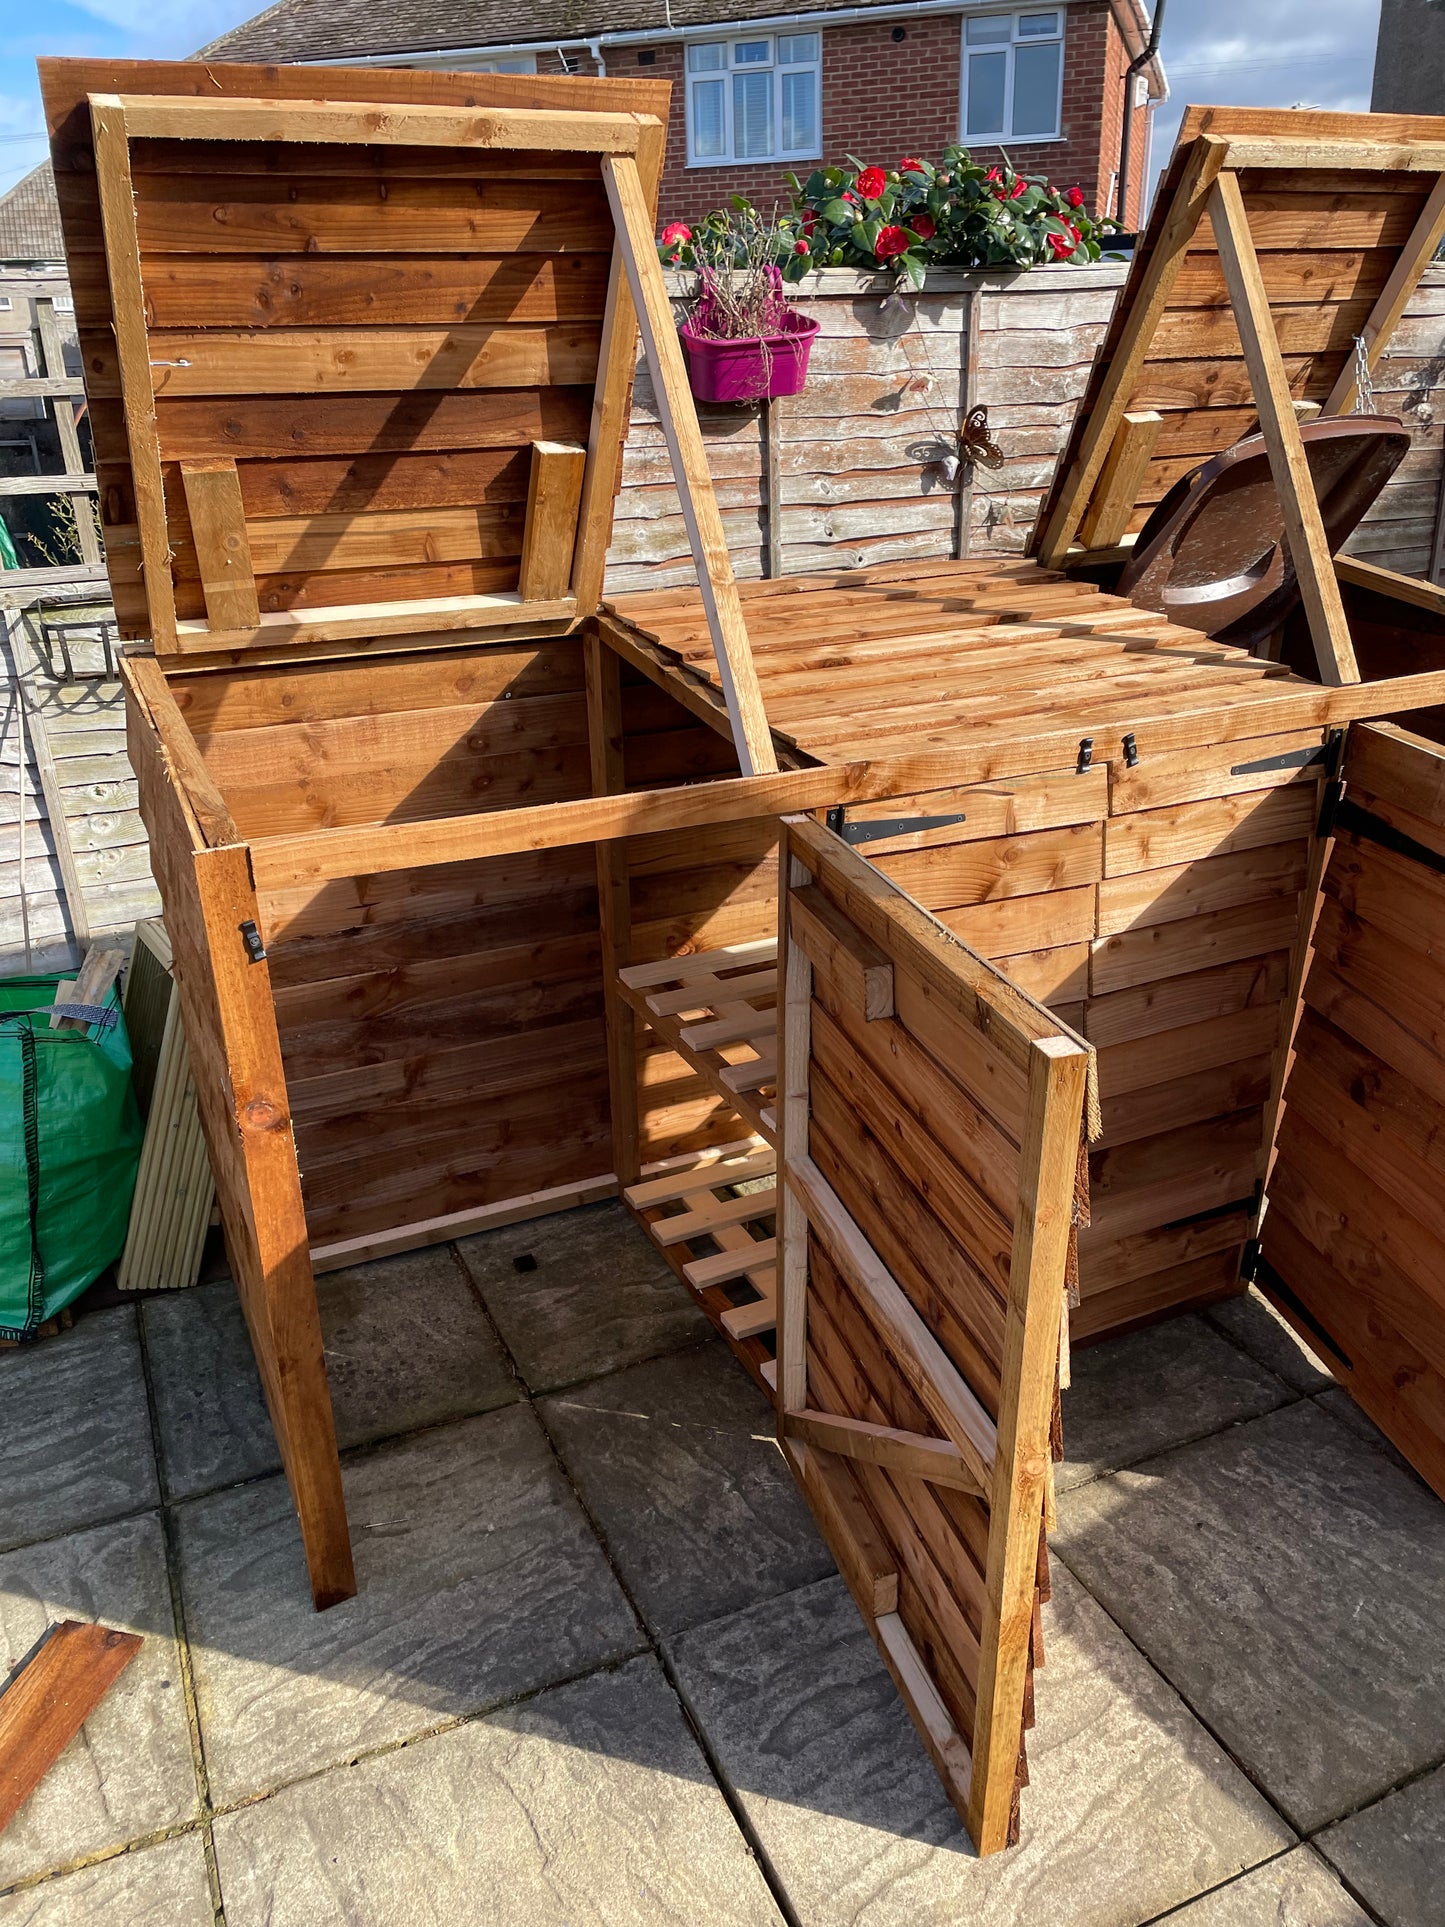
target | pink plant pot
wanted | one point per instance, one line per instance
(750, 368)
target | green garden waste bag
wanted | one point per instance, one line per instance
(70, 1137)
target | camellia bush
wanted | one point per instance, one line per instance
(954, 213)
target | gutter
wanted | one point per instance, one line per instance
(650, 36)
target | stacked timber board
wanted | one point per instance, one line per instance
(1151, 905)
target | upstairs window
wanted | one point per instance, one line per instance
(1013, 76)
(755, 99)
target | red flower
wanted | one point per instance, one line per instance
(1019, 187)
(1074, 196)
(891, 241)
(908, 163)
(871, 183)
(923, 226)
(849, 195)
(801, 247)
(676, 234)
(810, 220)
(993, 174)
(1063, 245)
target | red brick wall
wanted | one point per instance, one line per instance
(884, 98)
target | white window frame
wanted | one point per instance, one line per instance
(772, 65)
(1009, 48)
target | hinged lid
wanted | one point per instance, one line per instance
(1279, 257)
(359, 366)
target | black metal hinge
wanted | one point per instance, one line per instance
(251, 937)
(875, 829)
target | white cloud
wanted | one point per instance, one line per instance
(1246, 54)
(168, 28)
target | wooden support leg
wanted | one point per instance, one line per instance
(795, 982)
(1107, 516)
(223, 549)
(230, 1025)
(614, 907)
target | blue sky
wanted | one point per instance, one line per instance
(1266, 53)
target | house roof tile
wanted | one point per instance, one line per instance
(30, 219)
(333, 29)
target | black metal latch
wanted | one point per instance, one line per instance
(251, 937)
(875, 829)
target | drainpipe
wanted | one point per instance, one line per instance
(1151, 47)
(594, 47)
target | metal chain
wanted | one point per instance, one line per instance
(1364, 381)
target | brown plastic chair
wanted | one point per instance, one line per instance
(1211, 555)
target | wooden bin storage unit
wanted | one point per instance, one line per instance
(892, 888)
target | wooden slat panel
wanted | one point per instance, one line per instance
(1353, 1241)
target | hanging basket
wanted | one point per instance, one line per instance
(751, 367)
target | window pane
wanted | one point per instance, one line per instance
(752, 53)
(987, 32)
(796, 48)
(706, 56)
(800, 113)
(752, 116)
(1036, 89)
(984, 114)
(709, 138)
(1033, 25)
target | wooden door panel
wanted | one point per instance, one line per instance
(930, 1121)
(1352, 1243)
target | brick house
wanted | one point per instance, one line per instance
(758, 92)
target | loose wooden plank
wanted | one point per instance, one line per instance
(360, 122)
(46, 1703)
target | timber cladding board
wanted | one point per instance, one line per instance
(930, 1255)
(376, 328)
(1353, 1242)
(1341, 238)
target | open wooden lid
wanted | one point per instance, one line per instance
(1343, 212)
(358, 350)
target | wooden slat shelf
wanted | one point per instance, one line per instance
(692, 1206)
(716, 1009)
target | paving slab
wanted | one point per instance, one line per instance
(1393, 1853)
(77, 1429)
(128, 1772)
(479, 1580)
(592, 1295)
(1289, 1585)
(677, 1462)
(1140, 1394)
(160, 1886)
(1131, 1806)
(1252, 1321)
(407, 1345)
(1339, 1404)
(1297, 1890)
(589, 1806)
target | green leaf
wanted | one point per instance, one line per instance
(837, 213)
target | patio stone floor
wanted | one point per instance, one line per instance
(601, 1672)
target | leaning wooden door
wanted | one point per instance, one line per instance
(1352, 1242)
(930, 1121)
